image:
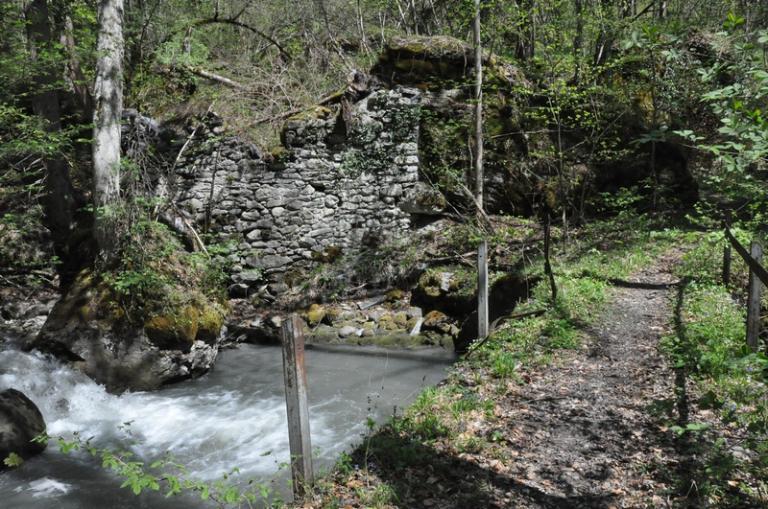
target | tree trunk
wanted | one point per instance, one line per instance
(59, 201)
(662, 13)
(75, 75)
(578, 38)
(108, 95)
(527, 39)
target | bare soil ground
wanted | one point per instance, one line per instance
(583, 433)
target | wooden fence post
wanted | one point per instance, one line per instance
(482, 290)
(547, 263)
(754, 297)
(296, 405)
(727, 263)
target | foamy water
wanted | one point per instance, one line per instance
(233, 417)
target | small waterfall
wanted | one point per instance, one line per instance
(417, 328)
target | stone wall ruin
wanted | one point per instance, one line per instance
(343, 180)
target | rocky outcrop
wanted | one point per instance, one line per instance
(21, 318)
(88, 328)
(20, 422)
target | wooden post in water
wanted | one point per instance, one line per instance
(753, 298)
(727, 263)
(482, 290)
(296, 405)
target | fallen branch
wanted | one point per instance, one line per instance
(178, 223)
(215, 77)
(479, 207)
(454, 258)
(324, 101)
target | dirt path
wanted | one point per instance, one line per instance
(583, 433)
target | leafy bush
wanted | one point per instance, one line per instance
(154, 274)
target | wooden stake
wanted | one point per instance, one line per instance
(296, 405)
(727, 264)
(482, 290)
(547, 263)
(754, 298)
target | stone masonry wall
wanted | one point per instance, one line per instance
(342, 181)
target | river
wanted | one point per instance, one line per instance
(232, 417)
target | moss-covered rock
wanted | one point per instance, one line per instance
(151, 317)
(173, 329)
(449, 289)
(431, 61)
(315, 314)
(186, 325)
(387, 322)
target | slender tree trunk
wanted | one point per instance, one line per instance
(361, 28)
(482, 252)
(578, 38)
(59, 201)
(108, 95)
(654, 127)
(478, 109)
(605, 36)
(75, 73)
(527, 39)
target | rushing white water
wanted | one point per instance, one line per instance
(232, 417)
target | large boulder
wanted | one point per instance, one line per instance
(20, 422)
(89, 328)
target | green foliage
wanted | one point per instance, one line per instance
(504, 364)
(710, 345)
(168, 476)
(704, 261)
(737, 89)
(381, 496)
(154, 274)
(443, 151)
(13, 460)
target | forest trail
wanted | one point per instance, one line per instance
(588, 430)
(582, 432)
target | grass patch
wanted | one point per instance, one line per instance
(710, 346)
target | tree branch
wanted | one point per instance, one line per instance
(232, 22)
(215, 77)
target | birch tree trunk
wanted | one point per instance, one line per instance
(482, 251)
(108, 98)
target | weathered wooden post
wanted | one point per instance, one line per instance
(296, 405)
(754, 297)
(482, 290)
(547, 262)
(727, 263)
